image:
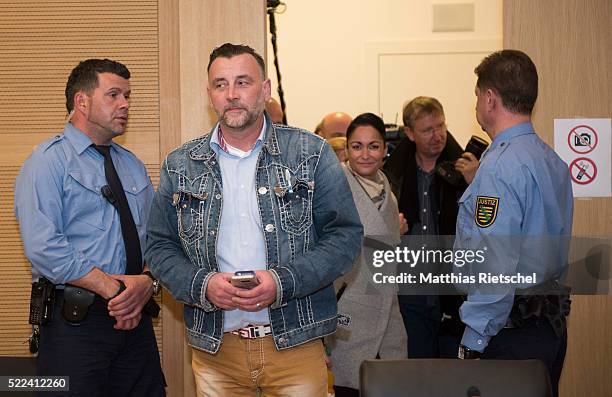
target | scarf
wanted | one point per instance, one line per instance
(374, 188)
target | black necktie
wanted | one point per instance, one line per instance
(128, 227)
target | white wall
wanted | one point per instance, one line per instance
(326, 50)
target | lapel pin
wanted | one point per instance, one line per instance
(279, 191)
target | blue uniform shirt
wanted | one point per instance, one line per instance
(67, 226)
(519, 206)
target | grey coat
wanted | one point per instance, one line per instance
(376, 325)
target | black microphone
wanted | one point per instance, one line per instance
(108, 195)
(473, 391)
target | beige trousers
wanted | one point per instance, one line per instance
(253, 367)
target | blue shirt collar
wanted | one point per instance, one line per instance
(215, 144)
(512, 132)
(78, 139)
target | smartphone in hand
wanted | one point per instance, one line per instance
(245, 279)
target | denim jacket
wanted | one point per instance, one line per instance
(312, 233)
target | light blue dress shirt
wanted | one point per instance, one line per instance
(531, 227)
(240, 243)
(66, 225)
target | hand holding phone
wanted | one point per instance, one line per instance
(245, 279)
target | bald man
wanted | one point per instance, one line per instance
(274, 110)
(334, 124)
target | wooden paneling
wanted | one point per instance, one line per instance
(176, 367)
(204, 25)
(569, 40)
(15, 277)
(40, 42)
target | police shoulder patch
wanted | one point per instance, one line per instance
(486, 210)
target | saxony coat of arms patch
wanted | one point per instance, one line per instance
(486, 210)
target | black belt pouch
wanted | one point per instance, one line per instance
(76, 303)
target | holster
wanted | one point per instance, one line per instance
(555, 308)
(76, 303)
(42, 299)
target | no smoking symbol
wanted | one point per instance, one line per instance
(582, 139)
(583, 171)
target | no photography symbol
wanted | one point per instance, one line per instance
(582, 139)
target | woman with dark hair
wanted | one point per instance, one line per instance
(376, 328)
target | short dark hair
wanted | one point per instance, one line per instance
(418, 107)
(84, 77)
(367, 119)
(229, 50)
(513, 76)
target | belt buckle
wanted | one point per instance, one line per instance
(257, 331)
(253, 331)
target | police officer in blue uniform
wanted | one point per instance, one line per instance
(518, 210)
(82, 202)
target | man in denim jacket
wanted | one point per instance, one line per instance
(253, 196)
